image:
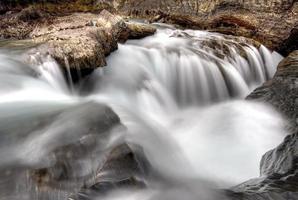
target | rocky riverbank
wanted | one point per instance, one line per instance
(278, 167)
(79, 42)
(58, 24)
(282, 90)
(273, 23)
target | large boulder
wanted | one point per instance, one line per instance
(124, 168)
(56, 150)
(79, 42)
(282, 90)
(279, 167)
(77, 150)
(279, 175)
(270, 22)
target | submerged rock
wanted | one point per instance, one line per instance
(55, 152)
(123, 169)
(79, 148)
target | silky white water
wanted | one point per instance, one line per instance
(178, 93)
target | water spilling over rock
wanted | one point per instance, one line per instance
(190, 67)
(162, 100)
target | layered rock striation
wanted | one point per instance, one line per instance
(79, 42)
(273, 22)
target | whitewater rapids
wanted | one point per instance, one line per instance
(179, 94)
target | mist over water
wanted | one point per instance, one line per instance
(178, 93)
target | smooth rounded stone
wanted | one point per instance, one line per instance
(79, 150)
(60, 152)
(124, 168)
(139, 30)
(84, 131)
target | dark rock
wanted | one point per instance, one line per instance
(30, 14)
(124, 168)
(282, 90)
(279, 167)
(57, 152)
(79, 151)
(279, 174)
(291, 43)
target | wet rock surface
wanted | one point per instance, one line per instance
(124, 168)
(80, 42)
(279, 167)
(270, 22)
(78, 151)
(282, 90)
(279, 174)
(63, 158)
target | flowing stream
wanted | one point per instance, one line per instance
(178, 93)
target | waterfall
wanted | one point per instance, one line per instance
(178, 93)
(178, 83)
(187, 68)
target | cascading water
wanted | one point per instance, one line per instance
(170, 90)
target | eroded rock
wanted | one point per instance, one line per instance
(124, 168)
(282, 90)
(78, 42)
(270, 22)
(79, 150)
(279, 167)
(139, 30)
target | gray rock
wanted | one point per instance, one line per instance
(124, 168)
(282, 90)
(279, 167)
